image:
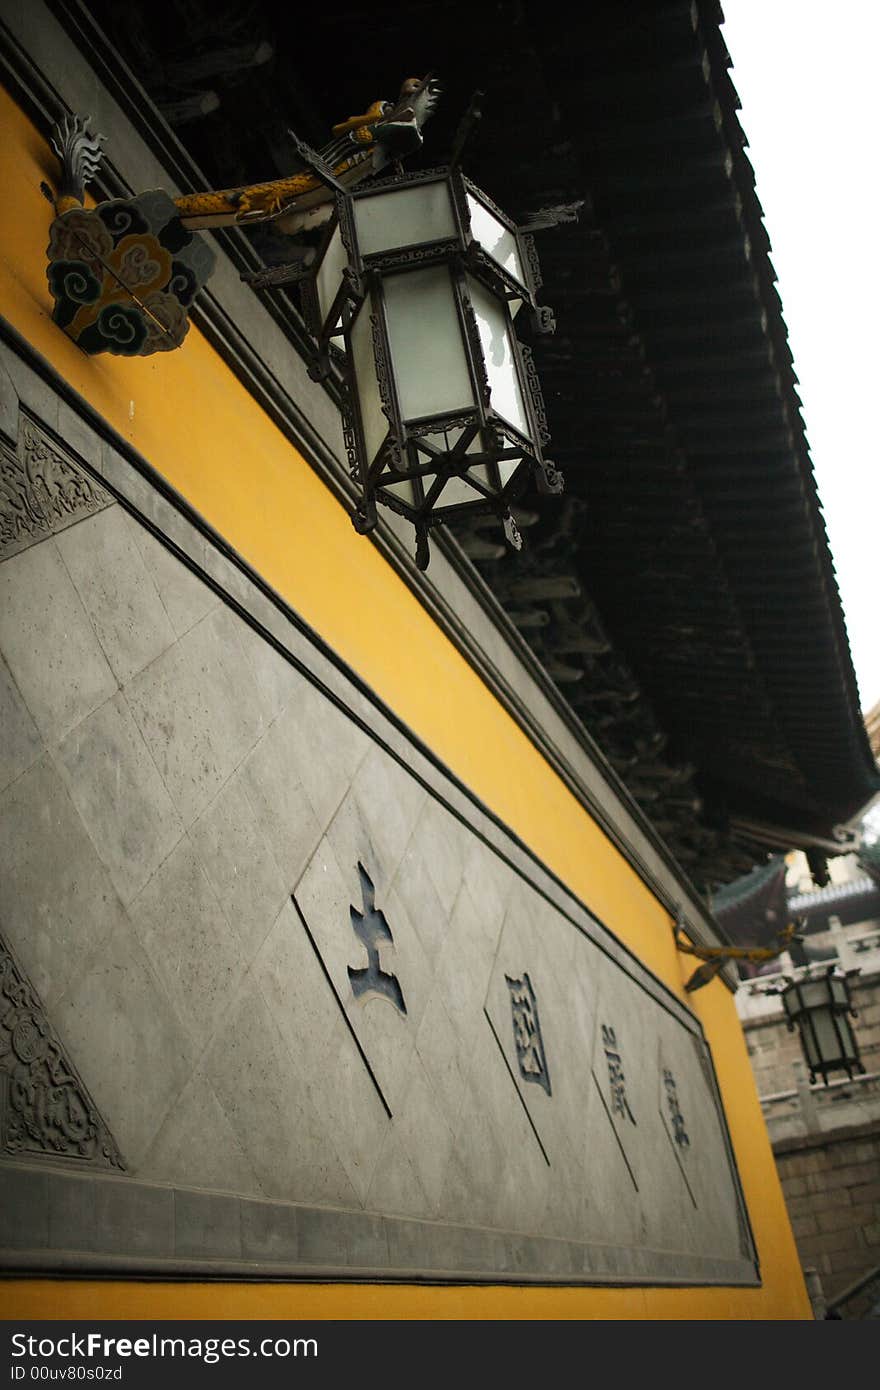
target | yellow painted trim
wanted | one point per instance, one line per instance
(188, 414)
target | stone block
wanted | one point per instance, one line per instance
(277, 679)
(116, 590)
(64, 901)
(461, 1248)
(559, 1258)
(8, 405)
(490, 883)
(828, 1242)
(351, 1110)
(190, 944)
(24, 1209)
(865, 1192)
(853, 1262)
(297, 993)
(269, 1232)
(390, 800)
(414, 887)
(78, 435)
(324, 746)
(793, 1165)
(132, 1051)
(342, 1238)
(803, 1226)
(801, 1206)
(793, 1187)
(425, 1134)
(122, 800)
(821, 1184)
(133, 1219)
(72, 1212)
(470, 1190)
(262, 1090)
(240, 866)
(855, 1174)
(197, 1147)
(418, 1245)
(439, 1050)
(187, 598)
(198, 709)
(49, 643)
(395, 1188)
(847, 1218)
(21, 744)
(206, 1226)
(282, 812)
(441, 842)
(352, 836)
(38, 396)
(324, 896)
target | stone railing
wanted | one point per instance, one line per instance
(820, 1109)
(861, 1300)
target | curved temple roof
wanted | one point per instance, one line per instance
(681, 594)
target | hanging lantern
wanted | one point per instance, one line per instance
(414, 292)
(820, 1007)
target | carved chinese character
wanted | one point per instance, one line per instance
(678, 1129)
(371, 928)
(616, 1078)
(527, 1032)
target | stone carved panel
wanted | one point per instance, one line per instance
(422, 1042)
(42, 490)
(46, 1109)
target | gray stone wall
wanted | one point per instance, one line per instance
(832, 1190)
(278, 994)
(826, 1139)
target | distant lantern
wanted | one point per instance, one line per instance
(820, 1007)
(414, 292)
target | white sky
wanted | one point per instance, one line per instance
(806, 73)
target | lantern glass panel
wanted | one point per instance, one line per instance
(456, 490)
(499, 353)
(848, 1039)
(496, 239)
(427, 348)
(329, 276)
(407, 217)
(810, 1040)
(814, 994)
(405, 490)
(827, 1039)
(839, 991)
(373, 422)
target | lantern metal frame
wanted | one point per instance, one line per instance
(420, 455)
(836, 1004)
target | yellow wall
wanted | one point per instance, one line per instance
(187, 413)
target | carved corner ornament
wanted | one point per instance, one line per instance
(44, 1106)
(42, 490)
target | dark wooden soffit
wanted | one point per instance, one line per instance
(681, 594)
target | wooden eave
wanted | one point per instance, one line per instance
(690, 528)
